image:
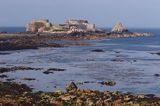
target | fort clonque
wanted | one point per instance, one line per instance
(42, 33)
(78, 27)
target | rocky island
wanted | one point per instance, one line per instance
(79, 28)
(40, 33)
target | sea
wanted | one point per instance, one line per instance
(133, 63)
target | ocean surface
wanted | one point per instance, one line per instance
(130, 62)
(12, 29)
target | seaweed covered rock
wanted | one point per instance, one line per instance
(7, 88)
(108, 83)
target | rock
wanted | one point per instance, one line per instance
(28, 79)
(22, 95)
(71, 86)
(3, 76)
(50, 71)
(11, 79)
(107, 103)
(141, 96)
(47, 72)
(108, 83)
(156, 53)
(9, 69)
(150, 95)
(90, 102)
(37, 25)
(5, 53)
(118, 103)
(90, 60)
(100, 102)
(79, 83)
(127, 98)
(89, 82)
(117, 60)
(80, 102)
(2, 70)
(97, 50)
(67, 97)
(56, 69)
(119, 28)
(157, 75)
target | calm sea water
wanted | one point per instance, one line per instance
(133, 71)
(12, 29)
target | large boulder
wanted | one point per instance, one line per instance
(71, 87)
(119, 28)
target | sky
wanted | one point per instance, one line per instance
(104, 13)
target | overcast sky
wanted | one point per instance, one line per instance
(104, 13)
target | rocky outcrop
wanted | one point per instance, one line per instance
(119, 28)
(71, 86)
(38, 25)
(70, 26)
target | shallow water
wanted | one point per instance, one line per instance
(133, 71)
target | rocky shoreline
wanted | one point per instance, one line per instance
(19, 94)
(13, 94)
(36, 40)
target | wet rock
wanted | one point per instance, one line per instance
(89, 82)
(4, 53)
(9, 69)
(117, 52)
(79, 83)
(2, 70)
(10, 79)
(51, 70)
(47, 72)
(157, 75)
(90, 60)
(56, 69)
(71, 86)
(134, 60)
(117, 60)
(97, 50)
(28, 79)
(7, 88)
(150, 95)
(108, 83)
(3, 76)
(158, 53)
